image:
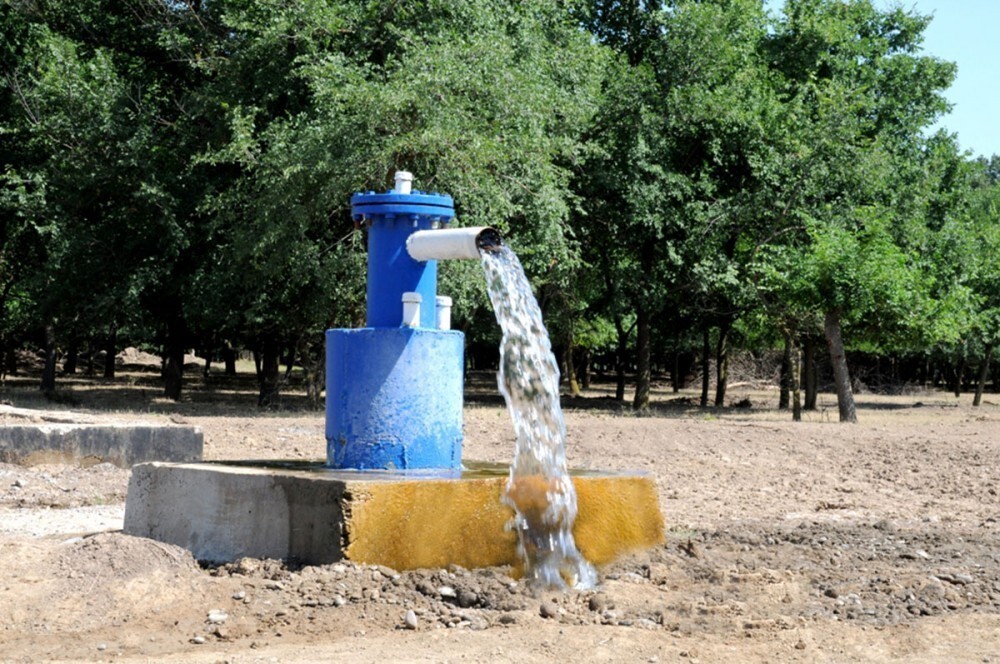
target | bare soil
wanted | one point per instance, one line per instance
(789, 542)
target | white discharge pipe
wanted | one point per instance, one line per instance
(447, 243)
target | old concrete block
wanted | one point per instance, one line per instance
(222, 512)
(86, 443)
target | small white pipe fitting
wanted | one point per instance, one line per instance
(442, 312)
(447, 243)
(411, 309)
(404, 182)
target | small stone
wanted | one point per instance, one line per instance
(239, 595)
(800, 645)
(831, 592)
(102, 646)
(447, 592)
(507, 619)
(598, 602)
(338, 568)
(20, 484)
(467, 598)
(339, 600)
(548, 610)
(410, 620)
(198, 640)
(658, 573)
(217, 616)
(275, 585)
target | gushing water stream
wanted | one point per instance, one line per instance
(539, 488)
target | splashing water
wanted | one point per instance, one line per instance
(539, 488)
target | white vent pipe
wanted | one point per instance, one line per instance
(404, 182)
(442, 311)
(411, 309)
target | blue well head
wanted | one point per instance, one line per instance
(394, 387)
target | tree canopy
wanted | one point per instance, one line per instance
(679, 177)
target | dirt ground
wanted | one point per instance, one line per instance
(787, 542)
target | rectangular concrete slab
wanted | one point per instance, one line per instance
(87, 444)
(225, 512)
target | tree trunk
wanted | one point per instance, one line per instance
(785, 381)
(314, 365)
(173, 367)
(90, 356)
(289, 363)
(8, 358)
(621, 353)
(794, 377)
(270, 371)
(207, 354)
(49, 372)
(643, 374)
(959, 374)
(11, 361)
(574, 386)
(810, 378)
(229, 357)
(585, 369)
(706, 349)
(72, 357)
(675, 374)
(110, 351)
(722, 364)
(984, 372)
(838, 359)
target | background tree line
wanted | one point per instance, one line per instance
(680, 178)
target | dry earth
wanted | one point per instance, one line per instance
(808, 542)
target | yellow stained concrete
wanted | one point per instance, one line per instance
(433, 523)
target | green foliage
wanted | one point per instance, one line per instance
(183, 170)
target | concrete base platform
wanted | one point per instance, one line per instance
(87, 444)
(316, 516)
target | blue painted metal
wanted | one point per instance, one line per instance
(394, 398)
(394, 394)
(392, 218)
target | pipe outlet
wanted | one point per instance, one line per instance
(448, 243)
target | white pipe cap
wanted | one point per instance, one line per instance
(404, 182)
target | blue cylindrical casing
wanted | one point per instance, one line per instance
(394, 398)
(392, 218)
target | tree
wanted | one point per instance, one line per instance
(854, 82)
(983, 223)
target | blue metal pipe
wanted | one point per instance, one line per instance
(391, 219)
